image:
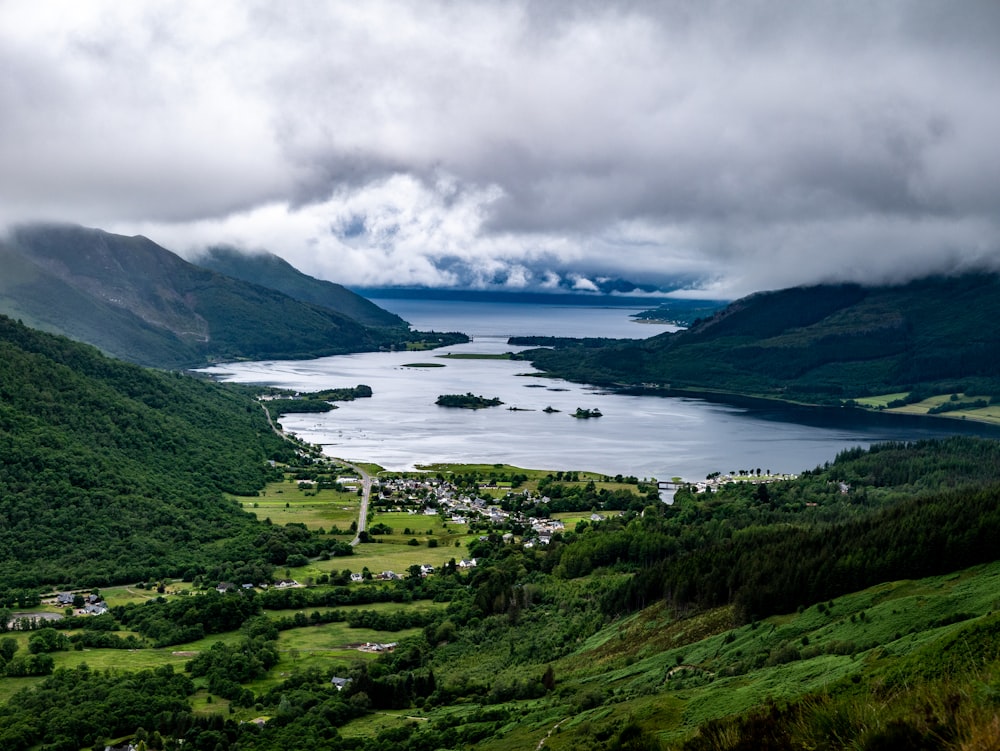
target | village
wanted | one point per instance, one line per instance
(518, 515)
(432, 496)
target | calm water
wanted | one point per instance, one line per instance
(400, 426)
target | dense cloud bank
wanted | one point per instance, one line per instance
(743, 145)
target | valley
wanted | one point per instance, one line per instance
(499, 376)
(555, 659)
(266, 589)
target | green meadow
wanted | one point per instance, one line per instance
(326, 647)
(290, 501)
(990, 413)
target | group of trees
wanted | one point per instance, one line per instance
(587, 496)
(898, 510)
(14, 665)
(467, 401)
(174, 621)
(317, 401)
(112, 473)
(78, 708)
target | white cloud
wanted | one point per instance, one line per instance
(745, 145)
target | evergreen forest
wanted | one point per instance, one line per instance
(111, 473)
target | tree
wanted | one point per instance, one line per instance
(47, 640)
(549, 678)
(8, 647)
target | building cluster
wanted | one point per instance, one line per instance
(92, 604)
(432, 496)
(716, 480)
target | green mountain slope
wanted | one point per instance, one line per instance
(140, 302)
(268, 270)
(817, 344)
(110, 472)
(534, 647)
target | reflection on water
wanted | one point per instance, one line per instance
(646, 436)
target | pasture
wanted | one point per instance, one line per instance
(291, 501)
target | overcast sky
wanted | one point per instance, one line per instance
(735, 145)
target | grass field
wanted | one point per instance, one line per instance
(287, 502)
(126, 594)
(570, 518)
(10, 686)
(323, 647)
(398, 558)
(391, 555)
(371, 725)
(986, 414)
(989, 414)
(874, 402)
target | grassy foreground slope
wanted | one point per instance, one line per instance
(817, 344)
(110, 472)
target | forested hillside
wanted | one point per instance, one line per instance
(898, 511)
(268, 270)
(110, 472)
(818, 344)
(138, 301)
(777, 613)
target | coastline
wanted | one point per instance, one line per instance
(759, 402)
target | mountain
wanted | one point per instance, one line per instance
(268, 270)
(817, 344)
(110, 472)
(138, 301)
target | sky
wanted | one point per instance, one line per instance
(720, 146)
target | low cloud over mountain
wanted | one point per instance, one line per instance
(733, 146)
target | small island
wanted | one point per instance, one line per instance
(279, 402)
(467, 401)
(549, 410)
(586, 414)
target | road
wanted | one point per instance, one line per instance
(366, 479)
(366, 492)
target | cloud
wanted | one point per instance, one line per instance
(526, 144)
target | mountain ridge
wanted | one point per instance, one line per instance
(819, 344)
(140, 302)
(268, 270)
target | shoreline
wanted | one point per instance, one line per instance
(747, 400)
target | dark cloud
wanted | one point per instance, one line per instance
(746, 145)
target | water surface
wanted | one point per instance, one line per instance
(646, 436)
